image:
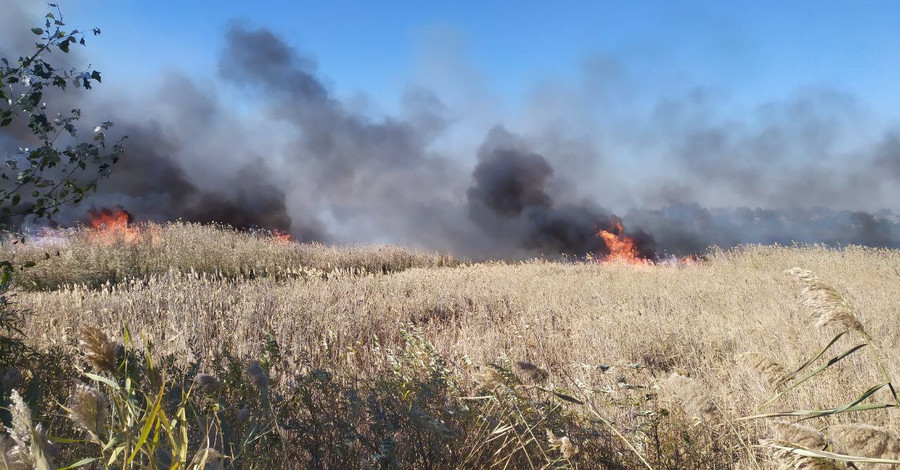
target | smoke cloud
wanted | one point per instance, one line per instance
(289, 154)
(509, 200)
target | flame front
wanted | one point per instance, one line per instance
(283, 237)
(621, 247)
(113, 224)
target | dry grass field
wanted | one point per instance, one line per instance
(377, 357)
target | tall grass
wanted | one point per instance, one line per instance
(82, 257)
(445, 365)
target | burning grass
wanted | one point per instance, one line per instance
(586, 365)
(621, 248)
(112, 251)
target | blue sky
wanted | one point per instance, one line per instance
(751, 51)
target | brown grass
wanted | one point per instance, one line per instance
(81, 257)
(610, 335)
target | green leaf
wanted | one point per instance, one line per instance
(821, 454)
(849, 406)
(100, 378)
(95, 75)
(816, 371)
(37, 31)
(81, 463)
(568, 398)
(149, 420)
(115, 455)
(66, 440)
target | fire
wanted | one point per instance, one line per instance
(114, 224)
(621, 247)
(283, 237)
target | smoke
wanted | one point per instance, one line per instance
(887, 156)
(163, 176)
(508, 199)
(268, 144)
(689, 228)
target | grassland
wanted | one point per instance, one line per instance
(377, 357)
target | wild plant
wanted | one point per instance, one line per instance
(852, 445)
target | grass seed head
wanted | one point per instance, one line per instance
(791, 460)
(533, 373)
(693, 399)
(866, 441)
(21, 420)
(828, 306)
(89, 408)
(31, 445)
(799, 435)
(99, 350)
(765, 366)
(208, 383)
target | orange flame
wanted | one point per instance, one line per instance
(113, 224)
(282, 237)
(621, 248)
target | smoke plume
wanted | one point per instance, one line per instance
(268, 144)
(509, 200)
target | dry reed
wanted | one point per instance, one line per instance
(585, 324)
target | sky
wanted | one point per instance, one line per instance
(501, 127)
(751, 50)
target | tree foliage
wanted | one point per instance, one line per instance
(62, 167)
(54, 167)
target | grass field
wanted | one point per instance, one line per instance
(377, 357)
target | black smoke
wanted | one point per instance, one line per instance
(268, 143)
(509, 198)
